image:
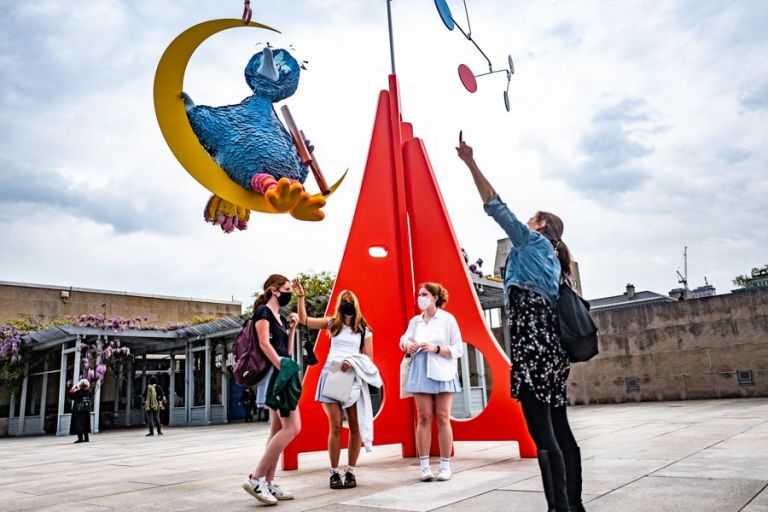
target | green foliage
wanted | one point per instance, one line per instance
(15, 350)
(744, 281)
(197, 319)
(318, 287)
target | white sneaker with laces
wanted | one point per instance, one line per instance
(427, 475)
(279, 493)
(444, 474)
(259, 490)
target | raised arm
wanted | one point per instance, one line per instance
(311, 322)
(493, 205)
(466, 154)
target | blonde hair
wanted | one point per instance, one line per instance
(359, 324)
(437, 290)
(272, 283)
(84, 383)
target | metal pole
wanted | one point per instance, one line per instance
(391, 37)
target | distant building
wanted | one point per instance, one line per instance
(703, 291)
(46, 303)
(629, 298)
(758, 278)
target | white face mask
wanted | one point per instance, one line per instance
(423, 302)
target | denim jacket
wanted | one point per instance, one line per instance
(532, 263)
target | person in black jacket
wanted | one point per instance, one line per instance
(248, 401)
(80, 421)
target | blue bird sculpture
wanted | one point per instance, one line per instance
(252, 146)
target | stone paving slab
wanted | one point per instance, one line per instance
(665, 456)
(463, 485)
(678, 494)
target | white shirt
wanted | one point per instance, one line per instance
(442, 330)
(344, 344)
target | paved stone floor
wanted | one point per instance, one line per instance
(670, 456)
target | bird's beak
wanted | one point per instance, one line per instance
(267, 67)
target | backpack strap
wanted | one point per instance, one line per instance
(362, 340)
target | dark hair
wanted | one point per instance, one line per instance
(553, 231)
(437, 290)
(272, 283)
(153, 380)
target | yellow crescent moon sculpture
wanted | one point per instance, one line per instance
(174, 123)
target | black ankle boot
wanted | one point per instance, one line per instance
(572, 459)
(553, 478)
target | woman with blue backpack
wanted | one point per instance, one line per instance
(537, 263)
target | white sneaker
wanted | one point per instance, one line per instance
(279, 493)
(427, 475)
(444, 474)
(259, 490)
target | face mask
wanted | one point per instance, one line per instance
(284, 298)
(423, 302)
(347, 309)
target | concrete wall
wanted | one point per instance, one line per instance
(678, 351)
(45, 304)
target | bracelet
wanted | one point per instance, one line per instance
(438, 349)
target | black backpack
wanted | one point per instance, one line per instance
(578, 332)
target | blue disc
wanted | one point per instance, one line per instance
(445, 13)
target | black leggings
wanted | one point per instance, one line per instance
(548, 425)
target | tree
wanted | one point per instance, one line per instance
(745, 280)
(318, 287)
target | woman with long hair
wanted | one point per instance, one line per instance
(350, 334)
(434, 342)
(536, 264)
(276, 336)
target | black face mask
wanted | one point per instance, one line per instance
(284, 298)
(347, 309)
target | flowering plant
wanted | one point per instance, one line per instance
(112, 357)
(13, 348)
(117, 323)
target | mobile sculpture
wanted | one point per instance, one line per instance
(467, 77)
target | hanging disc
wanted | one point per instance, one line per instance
(467, 78)
(506, 100)
(445, 13)
(511, 64)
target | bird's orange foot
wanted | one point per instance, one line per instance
(309, 208)
(284, 196)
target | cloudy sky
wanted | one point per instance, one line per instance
(642, 124)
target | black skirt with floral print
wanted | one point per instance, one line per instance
(538, 360)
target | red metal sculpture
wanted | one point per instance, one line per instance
(406, 239)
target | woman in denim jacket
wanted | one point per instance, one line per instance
(535, 264)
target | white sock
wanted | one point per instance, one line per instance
(424, 461)
(334, 470)
(349, 469)
(445, 464)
